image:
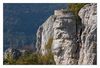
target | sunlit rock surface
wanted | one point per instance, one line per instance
(72, 44)
(88, 54)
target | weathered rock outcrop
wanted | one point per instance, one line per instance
(64, 45)
(72, 44)
(12, 53)
(88, 14)
(44, 32)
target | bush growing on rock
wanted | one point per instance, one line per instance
(75, 7)
(48, 58)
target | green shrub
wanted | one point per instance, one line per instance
(36, 59)
(28, 58)
(48, 58)
(49, 44)
(75, 7)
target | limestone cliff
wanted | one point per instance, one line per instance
(72, 43)
(88, 53)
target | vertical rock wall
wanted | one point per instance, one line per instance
(69, 46)
(64, 40)
(44, 32)
(88, 14)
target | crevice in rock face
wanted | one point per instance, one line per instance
(78, 36)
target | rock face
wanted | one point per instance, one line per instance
(64, 40)
(88, 14)
(44, 32)
(72, 44)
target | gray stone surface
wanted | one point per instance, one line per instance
(72, 44)
(44, 32)
(88, 14)
(64, 40)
